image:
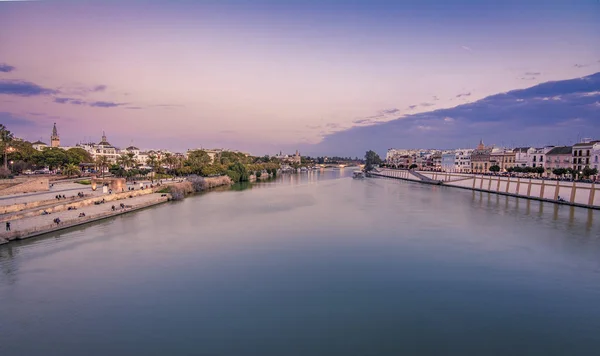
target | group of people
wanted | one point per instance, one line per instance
(80, 194)
(59, 197)
(115, 208)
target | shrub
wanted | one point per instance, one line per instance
(235, 176)
(198, 183)
(178, 191)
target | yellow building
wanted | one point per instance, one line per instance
(503, 159)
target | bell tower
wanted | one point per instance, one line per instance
(54, 139)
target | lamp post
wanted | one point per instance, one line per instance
(11, 165)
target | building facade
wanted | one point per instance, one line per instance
(558, 157)
(537, 157)
(448, 162)
(39, 145)
(101, 149)
(480, 159)
(582, 154)
(502, 158)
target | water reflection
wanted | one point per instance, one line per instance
(268, 267)
(573, 217)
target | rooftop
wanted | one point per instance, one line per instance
(562, 150)
(591, 143)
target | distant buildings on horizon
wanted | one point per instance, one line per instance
(479, 160)
(106, 149)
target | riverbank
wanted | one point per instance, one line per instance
(37, 218)
(586, 195)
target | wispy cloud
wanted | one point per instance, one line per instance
(105, 104)
(435, 98)
(577, 65)
(532, 73)
(390, 111)
(69, 101)
(412, 107)
(463, 95)
(98, 104)
(98, 88)
(427, 104)
(134, 107)
(5, 68)
(466, 48)
(361, 121)
(23, 88)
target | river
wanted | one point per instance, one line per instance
(312, 264)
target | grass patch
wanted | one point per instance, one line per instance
(164, 190)
(84, 182)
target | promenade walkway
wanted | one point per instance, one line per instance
(27, 226)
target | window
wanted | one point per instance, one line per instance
(587, 153)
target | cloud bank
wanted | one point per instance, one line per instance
(549, 113)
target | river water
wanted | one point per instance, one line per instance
(312, 264)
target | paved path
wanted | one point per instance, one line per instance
(65, 188)
(46, 221)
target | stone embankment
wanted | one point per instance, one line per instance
(36, 217)
(564, 192)
(23, 185)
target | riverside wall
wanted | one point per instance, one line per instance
(37, 230)
(573, 193)
(24, 185)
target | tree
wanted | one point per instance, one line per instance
(54, 158)
(77, 155)
(6, 138)
(198, 158)
(539, 170)
(587, 171)
(371, 159)
(152, 161)
(412, 166)
(241, 171)
(495, 168)
(101, 162)
(71, 170)
(117, 170)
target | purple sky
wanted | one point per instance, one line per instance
(263, 75)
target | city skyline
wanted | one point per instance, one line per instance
(325, 78)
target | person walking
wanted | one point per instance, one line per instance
(8, 226)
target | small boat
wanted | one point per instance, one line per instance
(358, 175)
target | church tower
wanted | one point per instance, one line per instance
(480, 146)
(54, 139)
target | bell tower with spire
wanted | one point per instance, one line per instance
(54, 139)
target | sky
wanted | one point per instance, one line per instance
(325, 77)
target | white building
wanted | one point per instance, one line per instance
(103, 148)
(462, 160)
(537, 157)
(585, 154)
(595, 163)
(523, 156)
(39, 145)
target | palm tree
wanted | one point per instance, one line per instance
(6, 138)
(101, 162)
(152, 161)
(70, 170)
(122, 161)
(131, 159)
